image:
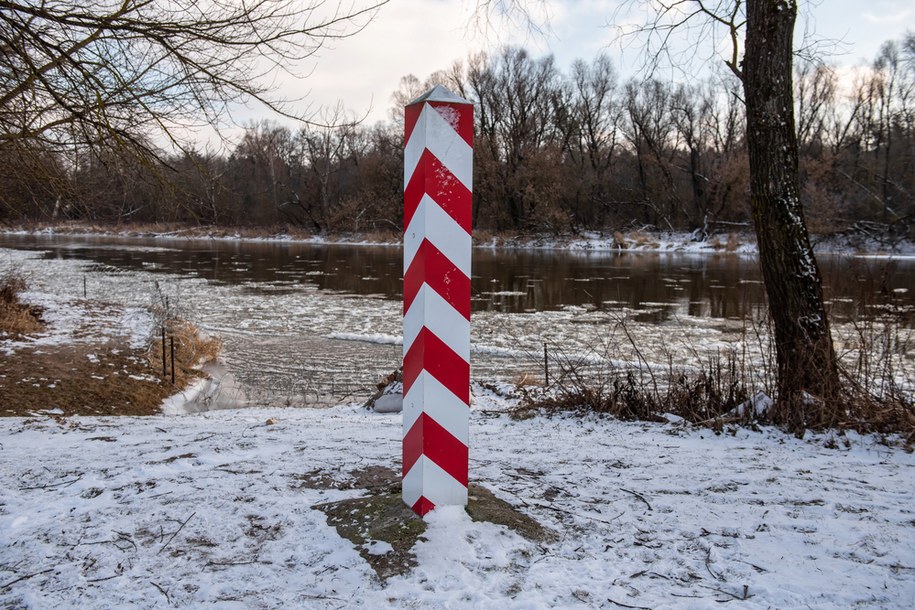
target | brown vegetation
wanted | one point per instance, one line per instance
(80, 379)
(191, 349)
(16, 318)
(727, 387)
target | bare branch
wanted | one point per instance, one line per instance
(91, 71)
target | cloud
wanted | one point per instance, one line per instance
(904, 16)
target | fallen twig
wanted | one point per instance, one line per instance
(622, 605)
(744, 597)
(637, 495)
(176, 532)
(26, 577)
(113, 576)
(568, 512)
(52, 485)
(223, 564)
(708, 566)
(163, 592)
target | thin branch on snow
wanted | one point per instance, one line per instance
(26, 577)
(177, 531)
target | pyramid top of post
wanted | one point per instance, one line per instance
(439, 93)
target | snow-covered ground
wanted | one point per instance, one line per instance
(206, 511)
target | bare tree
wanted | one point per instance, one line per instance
(112, 72)
(807, 368)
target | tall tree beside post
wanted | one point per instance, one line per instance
(807, 365)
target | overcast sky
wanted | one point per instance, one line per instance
(421, 36)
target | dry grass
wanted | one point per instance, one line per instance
(731, 245)
(16, 318)
(192, 349)
(718, 389)
(103, 378)
(80, 379)
(642, 394)
(644, 240)
(619, 241)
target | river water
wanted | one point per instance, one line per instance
(305, 323)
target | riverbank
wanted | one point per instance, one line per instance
(313, 325)
(95, 357)
(741, 241)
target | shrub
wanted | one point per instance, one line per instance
(17, 318)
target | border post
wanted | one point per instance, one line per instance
(438, 185)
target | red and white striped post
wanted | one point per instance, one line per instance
(438, 184)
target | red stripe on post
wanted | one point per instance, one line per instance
(428, 438)
(465, 122)
(422, 506)
(431, 177)
(434, 269)
(431, 354)
(410, 116)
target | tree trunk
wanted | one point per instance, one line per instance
(808, 378)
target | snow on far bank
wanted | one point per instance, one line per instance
(738, 242)
(208, 511)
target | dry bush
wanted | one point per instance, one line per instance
(875, 398)
(192, 349)
(639, 393)
(17, 318)
(644, 240)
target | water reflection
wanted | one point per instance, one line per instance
(655, 286)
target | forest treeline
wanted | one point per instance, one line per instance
(555, 151)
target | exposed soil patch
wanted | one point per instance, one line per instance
(80, 379)
(385, 530)
(373, 521)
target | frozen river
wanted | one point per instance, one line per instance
(313, 324)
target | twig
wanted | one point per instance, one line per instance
(52, 485)
(233, 563)
(622, 605)
(759, 569)
(113, 576)
(163, 592)
(176, 532)
(745, 597)
(568, 512)
(126, 538)
(26, 577)
(650, 575)
(637, 495)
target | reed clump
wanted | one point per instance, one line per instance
(738, 386)
(17, 318)
(192, 349)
